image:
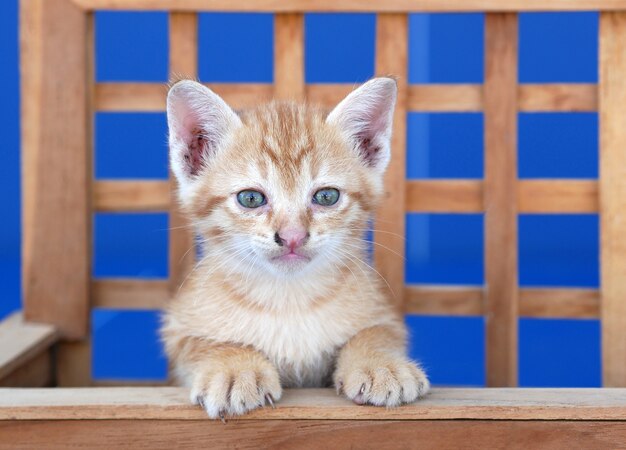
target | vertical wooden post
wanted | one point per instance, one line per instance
(183, 63)
(289, 56)
(391, 59)
(56, 172)
(612, 100)
(501, 295)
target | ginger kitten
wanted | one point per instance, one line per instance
(283, 296)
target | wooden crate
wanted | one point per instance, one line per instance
(60, 97)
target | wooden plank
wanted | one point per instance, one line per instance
(460, 196)
(500, 198)
(183, 62)
(445, 97)
(73, 363)
(392, 59)
(22, 341)
(131, 195)
(150, 97)
(613, 196)
(444, 300)
(570, 303)
(172, 403)
(328, 95)
(37, 372)
(557, 97)
(55, 165)
(389, 6)
(289, 56)
(566, 303)
(557, 196)
(308, 434)
(132, 293)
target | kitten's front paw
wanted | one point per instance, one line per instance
(235, 391)
(382, 381)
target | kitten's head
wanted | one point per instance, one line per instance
(282, 187)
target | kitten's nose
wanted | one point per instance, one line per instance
(291, 237)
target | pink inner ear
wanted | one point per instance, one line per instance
(194, 156)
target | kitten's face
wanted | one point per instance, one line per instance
(282, 187)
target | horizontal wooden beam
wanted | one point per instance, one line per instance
(22, 342)
(401, 6)
(533, 196)
(172, 403)
(135, 195)
(150, 97)
(571, 303)
(129, 293)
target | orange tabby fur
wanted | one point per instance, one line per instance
(243, 325)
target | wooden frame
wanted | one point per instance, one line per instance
(60, 196)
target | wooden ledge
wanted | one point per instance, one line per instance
(170, 403)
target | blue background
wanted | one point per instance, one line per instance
(556, 250)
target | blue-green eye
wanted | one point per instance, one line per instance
(251, 199)
(326, 196)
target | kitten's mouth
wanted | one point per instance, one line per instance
(291, 257)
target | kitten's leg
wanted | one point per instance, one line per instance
(373, 368)
(227, 379)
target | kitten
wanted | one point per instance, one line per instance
(283, 297)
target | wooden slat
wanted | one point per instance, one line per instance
(570, 303)
(613, 196)
(445, 97)
(136, 195)
(444, 300)
(289, 56)
(327, 95)
(388, 6)
(73, 363)
(533, 196)
(461, 196)
(150, 97)
(557, 196)
(324, 404)
(306, 434)
(37, 372)
(564, 303)
(130, 293)
(55, 165)
(21, 342)
(501, 198)
(392, 59)
(183, 62)
(557, 97)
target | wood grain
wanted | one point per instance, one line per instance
(172, 403)
(312, 434)
(391, 59)
(150, 97)
(557, 196)
(557, 97)
(22, 341)
(613, 196)
(183, 63)
(445, 97)
(131, 195)
(460, 196)
(55, 165)
(571, 303)
(289, 56)
(501, 299)
(132, 293)
(389, 6)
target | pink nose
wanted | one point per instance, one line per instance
(291, 237)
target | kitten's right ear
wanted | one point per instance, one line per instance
(198, 121)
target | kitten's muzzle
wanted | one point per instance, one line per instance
(291, 238)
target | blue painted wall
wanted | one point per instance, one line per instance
(557, 250)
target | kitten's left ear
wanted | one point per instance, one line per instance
(365, 117)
